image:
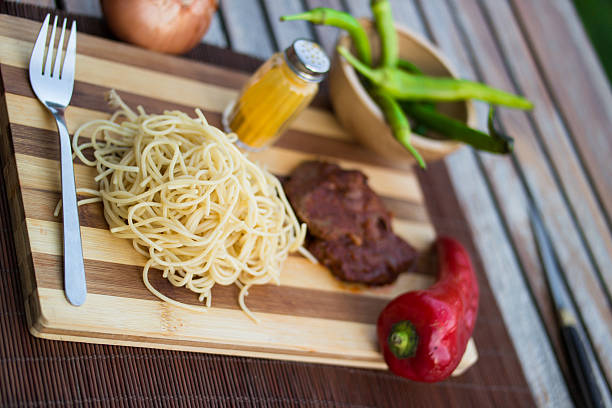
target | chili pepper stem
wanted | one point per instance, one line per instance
(307, 16)
(403, 339)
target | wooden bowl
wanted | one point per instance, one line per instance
(360, 115)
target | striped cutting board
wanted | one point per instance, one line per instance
(310, 317)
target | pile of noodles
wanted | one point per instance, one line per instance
(189, 200)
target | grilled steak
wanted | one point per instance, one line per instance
(349, 227)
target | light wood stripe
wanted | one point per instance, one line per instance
(43, 174)
(400, 209)
(388, 182)
(160, 339)
(101, 245)
(119, 280)
(418, 234)
(159, 320)
(43, 143)
(177, 329)
(195, 346)
(150, 83)
(45, 237)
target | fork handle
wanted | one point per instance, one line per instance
(74, 270)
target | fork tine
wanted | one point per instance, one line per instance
(68, 70)
(38, 52)
(58, 58)
(51, 49)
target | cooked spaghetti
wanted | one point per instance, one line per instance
(189, 200)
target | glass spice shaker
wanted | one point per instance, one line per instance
(280, 89)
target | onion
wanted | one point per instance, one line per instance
(172, 26)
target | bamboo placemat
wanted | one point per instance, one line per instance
(36, 371)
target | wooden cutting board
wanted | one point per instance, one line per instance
(310, 317)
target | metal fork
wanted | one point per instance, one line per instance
(52, 82)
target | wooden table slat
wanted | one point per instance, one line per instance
(554, 135)
(246, 26)
(404, 13)
(538, 357)
(41, 3)
(359, 8)
(284, 33)
(216, 34)
(503, 273)
(87, 8)
(571, 250)
(576, 81)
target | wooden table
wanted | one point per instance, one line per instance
(536, 48)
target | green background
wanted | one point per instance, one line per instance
(596, 16)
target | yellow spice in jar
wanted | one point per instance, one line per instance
(277, 93)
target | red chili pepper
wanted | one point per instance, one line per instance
(423, 334)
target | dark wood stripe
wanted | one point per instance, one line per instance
(41, 204)
(43, 143)
(86, 95)
(112, 279)
(138, 57)
(90, 96)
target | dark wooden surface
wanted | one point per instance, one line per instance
(535, 47)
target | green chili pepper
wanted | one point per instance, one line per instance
(495, 134)
(397, 121)
(419, 127)
(494, 142)
(340, 19)
(408, 66)
(412, 68)
(405, 86)
(381, 9)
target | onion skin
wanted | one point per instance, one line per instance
(170, 26)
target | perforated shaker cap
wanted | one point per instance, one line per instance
(307, 59)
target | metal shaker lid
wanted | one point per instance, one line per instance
(307, 59)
